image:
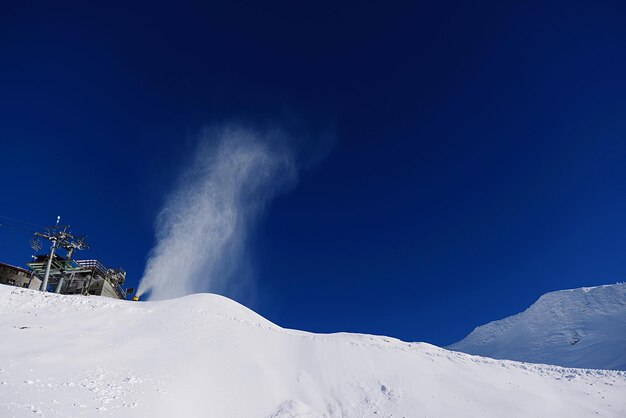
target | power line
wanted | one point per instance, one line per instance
(22, 222)
(18, 228)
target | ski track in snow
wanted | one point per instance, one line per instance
(207, 356)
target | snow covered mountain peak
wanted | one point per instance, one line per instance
(584, 327)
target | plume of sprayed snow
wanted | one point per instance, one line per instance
(202, 228)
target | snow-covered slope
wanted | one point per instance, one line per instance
(207, 356)
(583, 327)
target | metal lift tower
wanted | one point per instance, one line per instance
(60, 238)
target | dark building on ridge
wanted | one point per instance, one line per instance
(17, 276)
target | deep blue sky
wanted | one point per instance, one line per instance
(478, 159)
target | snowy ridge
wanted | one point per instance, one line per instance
(207, 356)
(583, 327)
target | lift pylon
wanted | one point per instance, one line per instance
(60, 237)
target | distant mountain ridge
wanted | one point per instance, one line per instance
(583, 327)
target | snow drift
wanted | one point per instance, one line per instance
(206, 356)
(583, 327)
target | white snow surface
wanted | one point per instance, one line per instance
(206, 356)
(583, 327)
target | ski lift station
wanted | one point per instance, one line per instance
(54, 272)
